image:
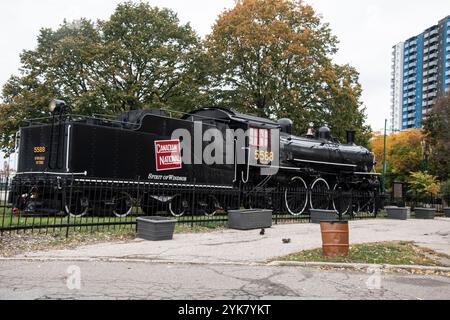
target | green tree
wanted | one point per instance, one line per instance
(58, 67)
(141, 57)
(344, 110)
(438, 137)
(422, 183)
(273, 58)
(149, 59)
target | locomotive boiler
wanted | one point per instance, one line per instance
(156, 159)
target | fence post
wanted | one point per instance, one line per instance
(70, 203)
(341, 204)
(351, 213)
(138, 199)
(239, 196)
(277, 201)
(193, 204)
(5, 203)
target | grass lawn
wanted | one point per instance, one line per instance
(88, 224)
(394, 253)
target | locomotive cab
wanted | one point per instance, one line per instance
(255, 141)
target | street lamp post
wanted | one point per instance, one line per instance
(383, 184)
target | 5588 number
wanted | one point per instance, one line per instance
(39, 149)
(263, 156)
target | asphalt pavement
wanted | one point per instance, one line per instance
(225, 264)
(231, 246)
(155, 281)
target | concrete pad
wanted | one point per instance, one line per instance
(231, 246)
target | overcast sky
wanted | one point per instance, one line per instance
(367, 30)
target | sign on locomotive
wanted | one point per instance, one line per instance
(210, 148)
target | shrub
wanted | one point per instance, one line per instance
(423, 182)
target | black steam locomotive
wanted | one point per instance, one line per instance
(152, 148)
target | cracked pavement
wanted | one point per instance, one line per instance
(154, 281)
(224, 265)
(231, 246)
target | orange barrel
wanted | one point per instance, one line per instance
(335, 238)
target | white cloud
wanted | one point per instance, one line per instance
(366, 29)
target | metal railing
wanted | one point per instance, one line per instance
(420, 200)
(70, 204)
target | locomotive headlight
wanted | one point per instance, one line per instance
(57, 106)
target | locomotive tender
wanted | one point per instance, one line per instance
(139, 148)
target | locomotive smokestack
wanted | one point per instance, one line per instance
(351, 136)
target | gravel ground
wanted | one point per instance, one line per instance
(14, 244)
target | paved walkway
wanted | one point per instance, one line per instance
(229, 246)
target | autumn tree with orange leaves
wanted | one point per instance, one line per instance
(272, 58)
(405, 154)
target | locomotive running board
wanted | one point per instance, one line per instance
(367, 173)
(328, 163)
(155, 183)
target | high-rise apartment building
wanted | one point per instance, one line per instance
(420, 73)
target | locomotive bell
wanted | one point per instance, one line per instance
(311, 132)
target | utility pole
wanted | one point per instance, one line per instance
(383, 184)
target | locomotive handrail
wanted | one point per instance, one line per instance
(76, 117)
(54, 173)
(16, 141)
(170, 115)
(248, 166)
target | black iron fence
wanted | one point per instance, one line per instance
(66, 205)
(420, 200)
